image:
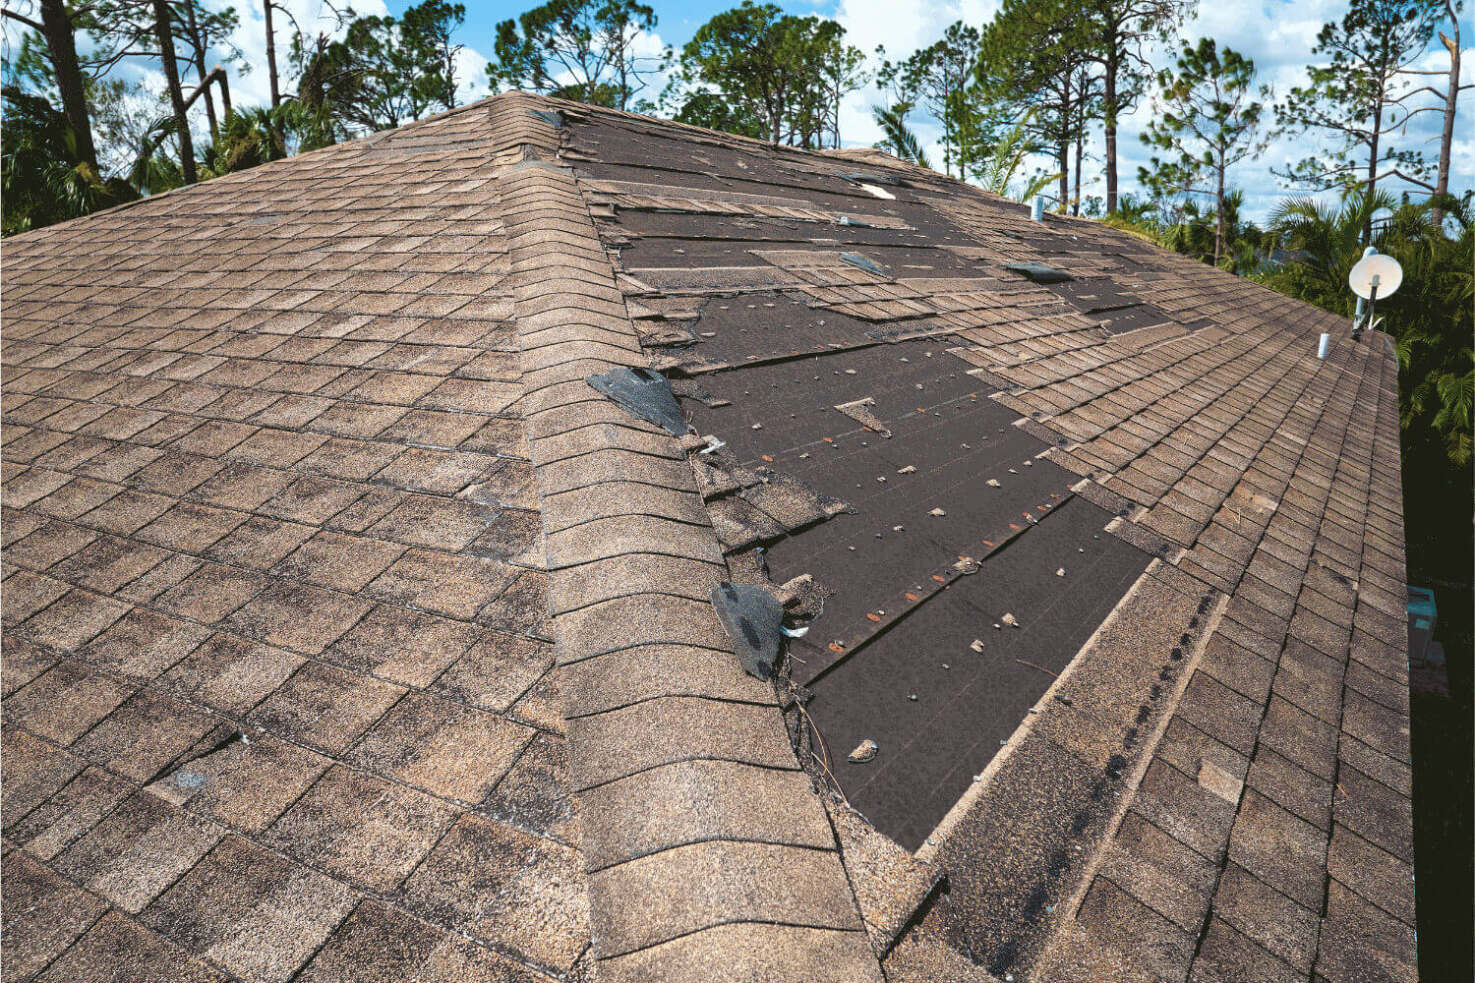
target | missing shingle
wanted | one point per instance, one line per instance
(1039, 272)
(754, 621)
(690, 389)
(645, 394)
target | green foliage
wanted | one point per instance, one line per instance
(1210, 121)
(123, 113)
(1121, 35)
(1354, 94)
(711, 111)
(1431, 318)
(1187, 226)
(937, 78)
(1036, 59)
(898, 138)
(385, 71)
(999, 164)
(42, 179)
(250, 138)
(781, 75)
(591, 42)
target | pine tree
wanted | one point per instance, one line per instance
(1210, 121)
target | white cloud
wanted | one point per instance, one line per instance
(902, 26)
(471, 76)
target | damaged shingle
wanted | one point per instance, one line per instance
(868, 177)
(863, 263)
(1039, 272)
(754, 620)
(860, 411)
(644, 393)
(790, 502)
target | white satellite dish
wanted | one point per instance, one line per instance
(1375, 276)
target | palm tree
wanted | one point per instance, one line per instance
(1331, 239)
(1431, 318)
(999, 162)
(898, 139)
(44, 177)
(247, 139)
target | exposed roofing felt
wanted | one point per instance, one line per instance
(351, 634)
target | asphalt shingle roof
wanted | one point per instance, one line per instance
(351, 635)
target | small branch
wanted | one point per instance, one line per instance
(24, 20)
(1411, 180)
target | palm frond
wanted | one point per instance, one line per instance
(898, 138)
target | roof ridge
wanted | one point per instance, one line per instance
(677, 853)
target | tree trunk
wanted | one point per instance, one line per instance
(1446, 137)
(176, 97)
(192, 25)
(1374, 142)
(1109, 106)
(271, 56)
(1219, 212)
(1063, 154)
(61, 44)
(1063, 149)
(1075, 204)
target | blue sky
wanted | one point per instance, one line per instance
(1277, 34)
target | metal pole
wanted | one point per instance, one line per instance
(1357, 318)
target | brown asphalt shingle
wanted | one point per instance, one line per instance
(251, 434)
(350, 635)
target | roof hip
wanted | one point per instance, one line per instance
(709, 856)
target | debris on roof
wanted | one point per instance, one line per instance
(754, 620)
(644, 393)
(864, 263)
(340, 461)
(859, 411)
(1039, 272)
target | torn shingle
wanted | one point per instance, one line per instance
(754, 621)
(1039, 272)
(644, 393)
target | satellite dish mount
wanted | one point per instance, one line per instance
(1374, 276)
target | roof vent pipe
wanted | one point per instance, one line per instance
(1324, 346)
(1037, 209)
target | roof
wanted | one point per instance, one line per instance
(350, 634)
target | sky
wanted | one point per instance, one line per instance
(1277, 34)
